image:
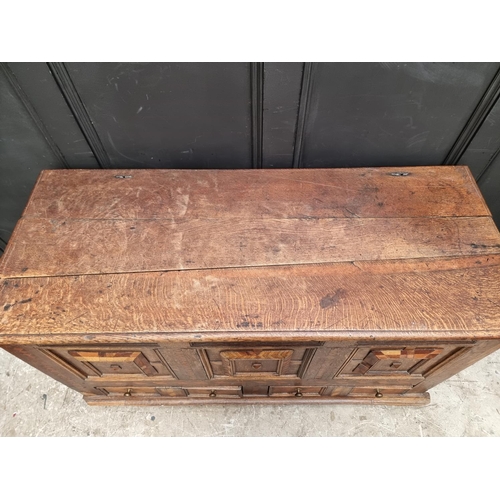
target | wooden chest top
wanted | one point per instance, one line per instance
(406, 252)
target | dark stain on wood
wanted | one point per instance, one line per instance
(475, 245)
(6, 307)
(332, 299)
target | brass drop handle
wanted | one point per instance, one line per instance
(378, 394)
(213, 394)
(128, 393)
(298, 394)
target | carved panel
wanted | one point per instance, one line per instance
(115, 362)
(397, 360)
(391, 361)
(256, 362)
(111, 363)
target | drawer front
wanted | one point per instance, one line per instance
(378, 392)
(295, 391)
(236, 392)
(171, 392)
(215, 392)
(130, 392)
(369, 391)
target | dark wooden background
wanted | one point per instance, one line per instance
(244, 115)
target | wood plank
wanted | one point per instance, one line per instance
(184, 363)
(347, 337)
(44, 247)
(172, 194)
(456, 294)
(327, 362)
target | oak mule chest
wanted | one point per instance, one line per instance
(152, 287)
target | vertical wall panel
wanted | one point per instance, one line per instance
(177, 115)
(485, 144)
(44, 95)
(364, 114)
(490, 187)
(24, 152)
(282, 83)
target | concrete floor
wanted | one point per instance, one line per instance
(33, 404)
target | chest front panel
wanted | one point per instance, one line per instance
(219, 371)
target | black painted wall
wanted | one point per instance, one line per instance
(244, 115)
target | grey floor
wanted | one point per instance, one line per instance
(33, 404)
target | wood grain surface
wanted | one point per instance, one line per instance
(54, 247)
(171, 194)
(456, 294)
(133, 252)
